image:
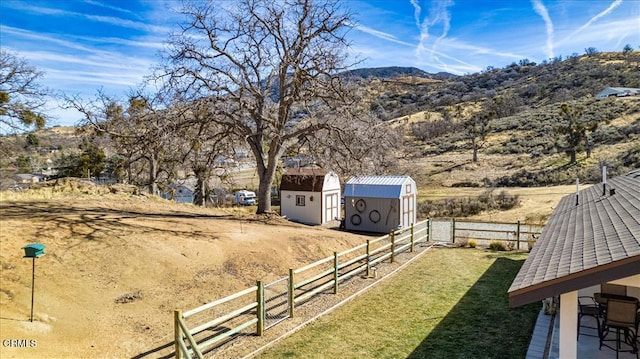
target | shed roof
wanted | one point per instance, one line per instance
(376, 186)
(307, 179)
(617, 90)
(582, 245)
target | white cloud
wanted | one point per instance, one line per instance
(479, 50)
(605, 36)
(97, 3)
(98, 18)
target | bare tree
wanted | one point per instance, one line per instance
(200, 141)
(271, 66)
(477, 128)
(143, 131)
(22, 97)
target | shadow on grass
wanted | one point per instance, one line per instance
(481, 324)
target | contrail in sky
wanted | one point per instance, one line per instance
(541, 10)
(611, 7)
(416, 12)
(423, 26)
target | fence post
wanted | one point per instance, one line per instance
(177, 315)
(260, 309)
(411, 249)
(393, 245)
(291, 295)
(453, 230)
(368, 259)
(335, 273)
(428, 229)
(518, 236)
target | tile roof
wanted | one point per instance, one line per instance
(596, 241)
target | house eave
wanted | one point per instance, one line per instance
(589, 277)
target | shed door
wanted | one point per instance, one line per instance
(331, 206)
(407, 210)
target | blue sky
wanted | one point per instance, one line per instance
(87, 45)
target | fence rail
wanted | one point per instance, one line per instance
(513, 234)
(324, 275)
(236, 317)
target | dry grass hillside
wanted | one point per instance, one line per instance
(117, 265)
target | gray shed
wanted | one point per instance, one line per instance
(379, 203)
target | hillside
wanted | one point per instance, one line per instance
(519, 86)
(522, 146)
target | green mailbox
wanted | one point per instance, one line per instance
(34, 250)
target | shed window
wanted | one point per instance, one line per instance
(408, 187)
(299, 200)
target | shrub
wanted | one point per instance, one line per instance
(465, 184)
(463, 207)
(497, 246)
(473, 243)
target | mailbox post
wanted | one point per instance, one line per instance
(33, 251)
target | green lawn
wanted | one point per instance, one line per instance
(450, 303)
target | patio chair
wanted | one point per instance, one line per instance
(621, 316)
(587, 307)
(615, 289)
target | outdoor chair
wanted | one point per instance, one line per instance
(614, 289)
(621, 316)
(587, 307)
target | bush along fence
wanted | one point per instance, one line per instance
(265, 305)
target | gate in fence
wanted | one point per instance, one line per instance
(441, 230)
(276, 302)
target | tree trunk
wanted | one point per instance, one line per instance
(199, 196)
(475, 150)
(153, 175)
(264, 193)
(266, 173)
(572, 159)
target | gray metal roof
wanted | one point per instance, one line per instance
(596, 241)
(376, 186)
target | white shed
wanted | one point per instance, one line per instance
(310, 196)
(379, 203)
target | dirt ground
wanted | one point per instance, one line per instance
(117, 266)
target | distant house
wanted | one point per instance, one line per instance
(181, 193)
(310, 196)
(27, 178)
(589, 241)
(380, 203)
(618, 92)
